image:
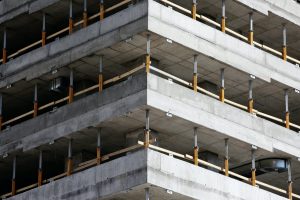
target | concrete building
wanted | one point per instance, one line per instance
(150, 99)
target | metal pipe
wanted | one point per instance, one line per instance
(196, 149)
(13, 184)
(251, 29)
(284, 43)
(222, 86)
(226, 164)
(287, 112)
(290, 182)
(147, 196)
(84, 5)
(148, 62)
(253, 167)
(147, 130)
(100, 73)
(4, 56)
(195, 74)
(1, 118)
(40, 170)
(250, 98)
(69, 164)
(99, 146)
(4, 38)
(71, 89)
(71, 9)
(35, 101)
(223, 26)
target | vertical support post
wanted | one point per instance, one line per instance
(44, 30)
(40, 170)
(99, 147)
(35, 102)
(100, 79)
(250, 98)
(101, 10)
(147, 194)
(226, 162)
(251, 29)
(1, 118)
(196, 149)
(284, 46)
(71, 24)
(85, 16)
(4, 56)
(148, 62)
(194, 9)
(223, 21)
(287, 113)
(290, 183)
(13, 182)
(195, 74)
(253, 168)
(71, 87)
(222, 86)
(147, 130)
(70, 159)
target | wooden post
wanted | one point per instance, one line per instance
(222, 87)
(4, 53)
(223, 21)
(250, 37)
(71, 23)
(35, 102)
(100, 81)
(253, 168)
(44, 30)
(40, 170)
(226, 162)
(284, 44)
(70, 159)
(194, 9)
(147, 130)
(250, 98)
(287, 113)
(101, 10)
(196, 149)
(71, 89)
(195, 74)
(13, 182)
(99, 147)
(148, 59)
(85, 15)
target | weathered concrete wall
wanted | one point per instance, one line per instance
(287, 9)
(225, 119)
(220, 46)
(12, 8)
(82, 43)
(112, 102)
(147, 167)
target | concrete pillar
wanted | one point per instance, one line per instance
(195, 74)
(223, 21)
(196, 148)
(1, 115)
(35, 101)
(250, 37)
(40, 170)
(147, 130)
(253, 166)
(71, 23)
(99, 147)
(250, 97)
(194, 9)
(226, 162)
(13, 182)
(100, 80)
(287, 112)
(85, 15)
(290, 183)
(222, 86)
(44, 30)
(71, 87)
(284, 44)
(70, 158)
(101, 9)
(4, 52)
(148, 62)
(147, 194)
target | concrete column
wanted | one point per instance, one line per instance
(101, 9)
(44, 30)
(1, 118)
(284, 44)
(147, 130)
(250, 98)
(223, 21)
(71, 24)
(196, 148)
(222, 86)
(195, 74)
(35, 101)
(99, 147)
(40, 170)
(13, 182)
(287, 112)
(71, 87)
(147, 195)
(148, 62)
(100, 80)
(290, 183)
(253, 166)
(70, 159)
(250, 37)
(4, 52)
(85, 16)
(194, 9)
(226, 162)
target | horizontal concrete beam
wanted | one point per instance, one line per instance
(13, 8)
(145, 168)
(222, 47)
(84, 42)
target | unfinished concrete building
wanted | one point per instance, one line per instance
(150, 99)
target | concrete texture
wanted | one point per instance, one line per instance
(141, 169)
(114, 101)
(287, 9)
(84, 42)
(13, 8)
(222, 47)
